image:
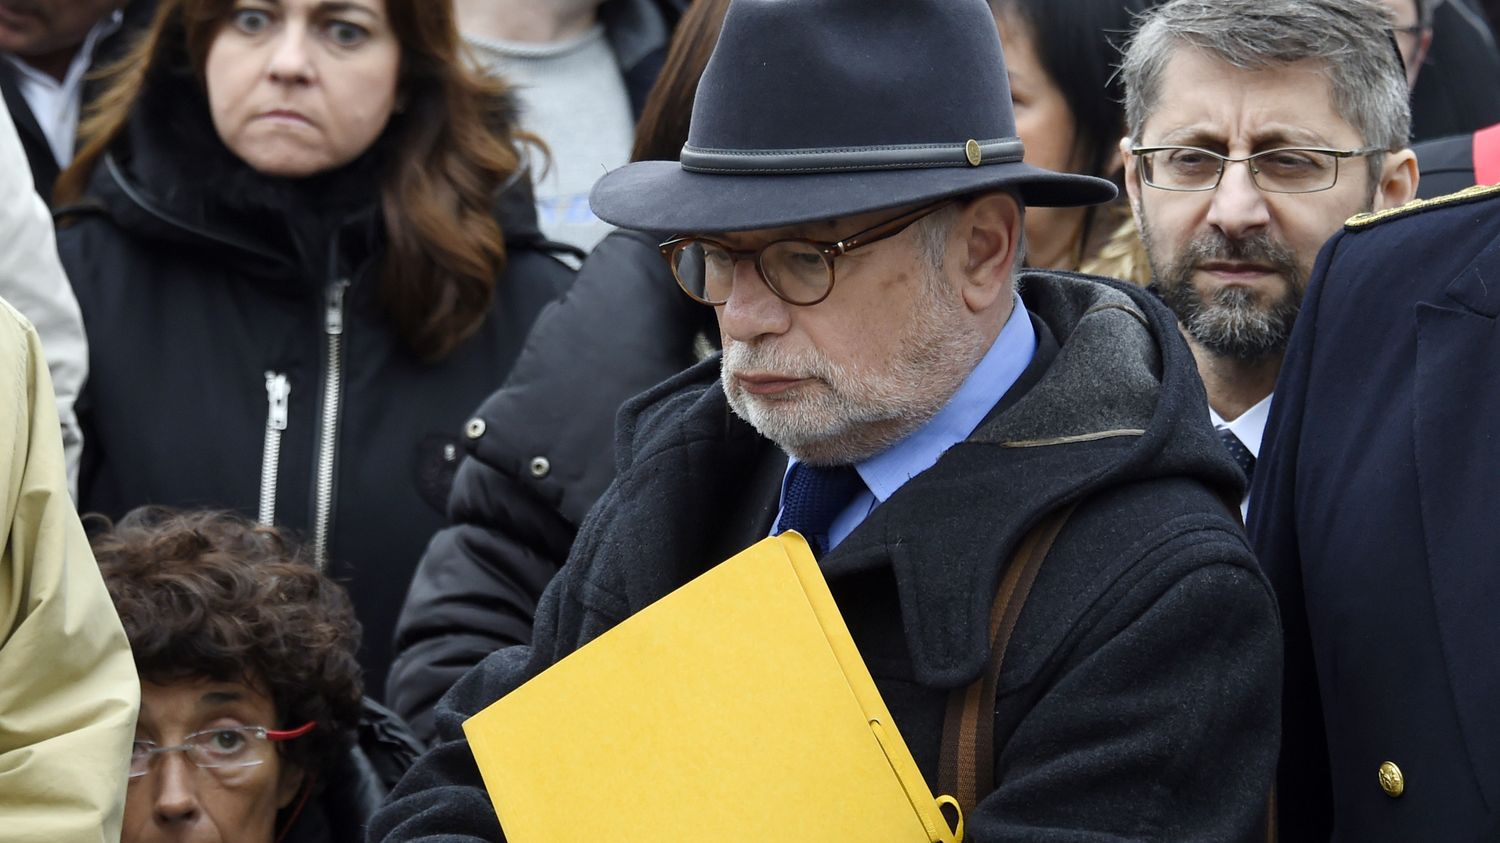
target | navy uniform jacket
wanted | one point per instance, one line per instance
(1376, 514)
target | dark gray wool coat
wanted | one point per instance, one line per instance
(1140, 695)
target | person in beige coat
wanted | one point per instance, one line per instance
(68, 687)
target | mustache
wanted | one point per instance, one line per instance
(1257, 248)
(763, 357)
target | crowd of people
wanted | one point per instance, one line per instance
(364, 359)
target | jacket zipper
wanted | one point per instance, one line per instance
(278, 393)
(328, 430)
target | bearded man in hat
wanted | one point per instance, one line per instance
(850, 202)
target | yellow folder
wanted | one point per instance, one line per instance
(733, 709)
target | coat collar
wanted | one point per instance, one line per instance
(1063, 432)
(44, 170)
(1112, 396)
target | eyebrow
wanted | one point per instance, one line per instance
(213, 698)
(1274, 139)
(344, 8)
(333, 7)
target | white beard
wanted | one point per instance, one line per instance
(849, 413)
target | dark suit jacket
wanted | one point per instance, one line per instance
(44, 168)
(1374, 514)
(1455, 91)
(1446, 164)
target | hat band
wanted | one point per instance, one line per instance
(835, 159)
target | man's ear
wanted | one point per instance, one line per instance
(1398, 180)
(990, 227)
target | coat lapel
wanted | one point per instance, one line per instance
(949, 532)
(1457, 442)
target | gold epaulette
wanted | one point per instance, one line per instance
(1417, 206)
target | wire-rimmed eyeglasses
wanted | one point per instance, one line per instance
(230, 748)
(798, 271)
(1287, 170)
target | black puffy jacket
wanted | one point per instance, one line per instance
(540, 454)
(239, 357)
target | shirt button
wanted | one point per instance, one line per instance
(540, 467)
(1391, 779)
(475, 428)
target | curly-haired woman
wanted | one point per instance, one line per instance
(250, 689)
(305, 250)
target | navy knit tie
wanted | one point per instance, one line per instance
(1238, 452)
(814, 497)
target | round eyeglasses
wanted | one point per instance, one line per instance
(1289, 170)
(219, 750)
(798, 271)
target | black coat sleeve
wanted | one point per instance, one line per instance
(1161, 722)
(476, 588)
(443, 797)
(542, 457)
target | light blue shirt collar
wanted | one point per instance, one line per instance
(889, 470)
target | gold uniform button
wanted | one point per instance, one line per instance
(1391, 779)
(973, 153)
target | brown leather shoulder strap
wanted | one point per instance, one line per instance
(967, 763)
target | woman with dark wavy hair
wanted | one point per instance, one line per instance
(1062, 57)
(251, 695)
(304, 251)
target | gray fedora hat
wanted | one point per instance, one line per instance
(818, 109)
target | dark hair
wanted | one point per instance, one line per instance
(663, 127)
(213, 595)
(1078, 43)
(450, 150)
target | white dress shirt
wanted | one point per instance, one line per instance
(55, 104)
(1248, 428)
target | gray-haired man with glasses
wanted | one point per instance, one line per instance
(1256, 127)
